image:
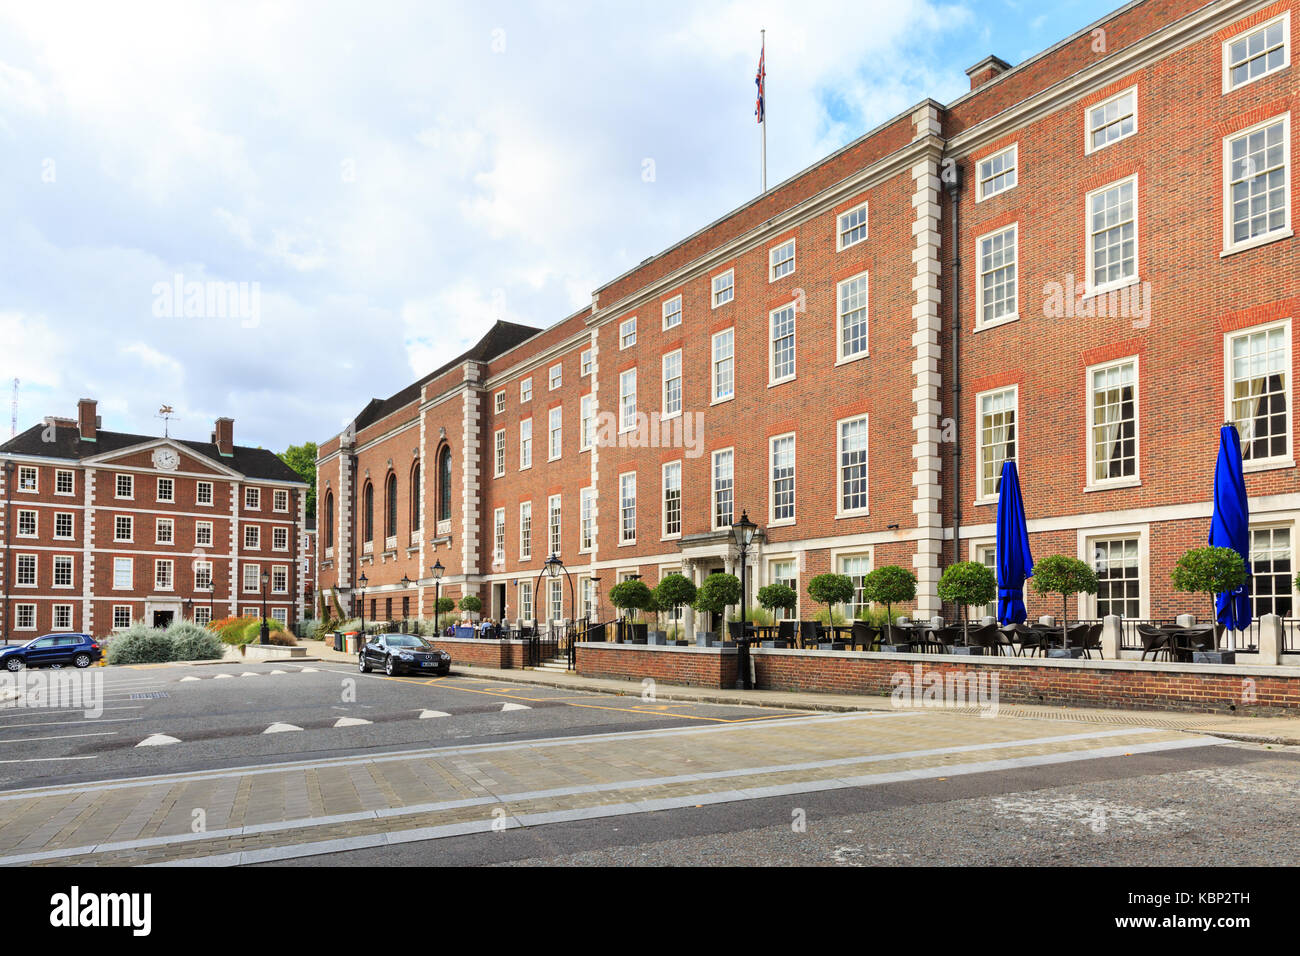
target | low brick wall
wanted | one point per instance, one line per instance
(688, 666)
(474, 652)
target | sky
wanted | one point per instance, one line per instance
(347, 195)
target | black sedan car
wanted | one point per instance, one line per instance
(52, 650)
(402, 653)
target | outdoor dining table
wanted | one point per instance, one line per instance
(762, 632)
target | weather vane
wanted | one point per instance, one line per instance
(166, 413)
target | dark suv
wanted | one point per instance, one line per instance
(79, 650)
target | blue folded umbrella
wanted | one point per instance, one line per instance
(1230, 526)
(1014, 562)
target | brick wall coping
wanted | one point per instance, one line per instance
(670, 648)
(486, 641)
(1165, 667)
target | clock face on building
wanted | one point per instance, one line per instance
(166, 458)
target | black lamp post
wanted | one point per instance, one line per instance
(266, 629)
(362, 582)
(743, 532)
(406, 583)
(436, 570)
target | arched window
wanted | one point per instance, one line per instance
(415, 497)
(444, 485)
(329, 519)
(390, 513)
(368, 512)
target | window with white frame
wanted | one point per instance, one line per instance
(27, 523)
(997, 173)
(202, 575)
(202, 615)
(27, 478)
(856, 567)
(587, 422)
(627, 333)
(203, 493)
(499, 402)
(125, 486)
(25, 571)
(781, 455)
(526, 390)
(780, 351)
(280, 499)
(780, 261)
(279, 579)
(852, 226)
(853, 465)
(252, 578)
(499, 460)
(162, 574)
(627, 508)
(724, 488)
(588, 598)
(724, 365)
(280, 615)
(279, 539)
(672, 365)
(252, 537)
(672, 476)
(526, 600)
(555, 433)
(1112, 120)
(1112, 234)
(64, 482)
(203, 534)
(555, 377)
(499, 536)
(553, 523)
(121, 617)
(997, 285)
(525, 530)
(25, 617)
(63, 524)
(627, 400)
(526, 443)
(997, 437)
(164, 531)
(1256, 163)
(557, 599)
(587, 519)
(852, 297)
(1257, 53)
(672, 311)
(123, 574)
(167, 489)
(724, 288)
(1272, 571)
(1259, 391)
(785, 571)
(123, 528)
(1117, 564)
(253, 499)
(1112, 401)
(63, 570)
(62, 617)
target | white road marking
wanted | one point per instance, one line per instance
(308, 670)
(250, 674)
(23, 740)
(221, 676)
(190, 678)
(426, 714)
(508, 706)
(280, 728)
(158, 740)
(279, 672)
(351, 722)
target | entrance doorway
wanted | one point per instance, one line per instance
(499, 601)
(163, 618)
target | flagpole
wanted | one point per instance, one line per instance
(763, 35)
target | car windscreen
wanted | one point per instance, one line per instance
(404, 640)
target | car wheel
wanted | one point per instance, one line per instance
(389, 667)
(15, 663)
(81, 660)
(362, 665)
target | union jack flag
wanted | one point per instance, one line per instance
(759, 81)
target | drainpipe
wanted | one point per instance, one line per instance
(953, 188)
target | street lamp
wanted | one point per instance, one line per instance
(406, 583)
(362, 582)
(436, 570)
(743, 532)
(553, 567)
(266, 629)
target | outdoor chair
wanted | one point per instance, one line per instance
(736, 631)
(1032, 640)
(1156, 641)
(1005, 641)
(985, 636)
(1092, 640)
(899, 638)
(942, 639)
(809, 634)
(864, 635)
(786, 633)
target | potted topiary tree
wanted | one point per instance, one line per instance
(831, 589)
(889, 585)
(714, 596)
(675, 591)
(631, 597)
(470, 605)
(966, 584)
(1210, 571)
(1064, 575)
(442, 607)
(777, 597)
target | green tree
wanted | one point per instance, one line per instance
(674, 591)
(1064, 575)
(889, 585)
(831, 589)
(632, 596)
(471, 604)
(967, 584)
(1209, 571)
(716, 594)
(302, 459)
(777, 597)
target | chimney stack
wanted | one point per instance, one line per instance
(224, 436)
(87, 420)
(986, 69)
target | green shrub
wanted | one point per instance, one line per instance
(716, 594)
(1209, 571)
(140, 644)
(889, 585)
(632, 596)
(831, 589)
(674, 591)
(778, 597)
(471, 604)
(967, 584)
(193, 643)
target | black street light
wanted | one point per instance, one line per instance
(743, 532)
(436, 570)
(266, 629)
(362, 582)
(553, 567)
(406, 583)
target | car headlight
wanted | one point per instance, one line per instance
(444, 655)
(406, 656)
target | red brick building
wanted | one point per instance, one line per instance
(102, 529)
(1086, 263)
